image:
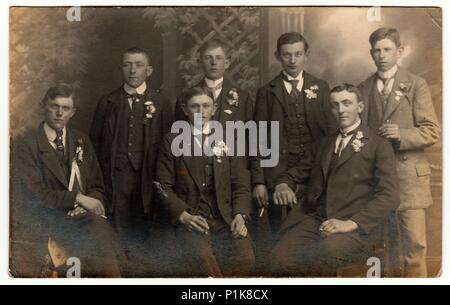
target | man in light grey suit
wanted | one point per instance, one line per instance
(399, 105)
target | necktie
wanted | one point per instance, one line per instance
(214, 89)
(135, 97)
(344, 135)
(59, 144)
(294, 83)
(385, 91)
(294, 91)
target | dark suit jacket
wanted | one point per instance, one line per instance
(362, 187)
(419, 128)
(225, 112)
(271, 106)
(104, 135)
(180, 182)
(41, 182)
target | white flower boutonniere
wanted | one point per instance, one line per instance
(79, 152)
(357, 143)
(403, 87)
(149, 110)
(233, 97)
(398, 95)
(311, 93)
(220, 149)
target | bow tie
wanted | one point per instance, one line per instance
(135, 97)
(346, 134)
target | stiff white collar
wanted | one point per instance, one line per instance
(139, 90)
(389, 73)
(213, 83)
(353, 127)
(299, 76)
(51, 134)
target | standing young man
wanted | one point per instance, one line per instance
(126, 131)
(299, 101)
(233, 103)
(399, 106)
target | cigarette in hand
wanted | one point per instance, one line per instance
(262, 212)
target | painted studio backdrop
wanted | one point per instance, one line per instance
(46, 48)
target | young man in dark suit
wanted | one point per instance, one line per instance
(299, 102)
(353, 187)
(399, 106)
(206, 196)
(62, 188)
(126, 131)
(233, 103)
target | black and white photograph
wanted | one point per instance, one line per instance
(225, 142)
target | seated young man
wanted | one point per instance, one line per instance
(58, 177)
(207, 197)
(353, 186)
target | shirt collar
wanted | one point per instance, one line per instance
(196, 131)
(389, 73)
(139, 90)
(352, 128)
(51, 133)
(299, 76)
(213, 83)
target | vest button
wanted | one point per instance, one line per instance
(404, 158)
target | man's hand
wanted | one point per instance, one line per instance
(333, 226)
(284, 195)
(91, 204)
(261, 195)
(389, 131)
(77, 211)
(194, 222)
(238, 228)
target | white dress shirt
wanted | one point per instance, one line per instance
(389, 74)
(51, 136)
(130, 90)
(288, 85)
(347, 138)
(212, 84)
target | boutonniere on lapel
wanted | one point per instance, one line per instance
(219, 150)
(400, 93)
(357, 143)
(79, 152)
(311, 93)
(149, 111)
(233, 97)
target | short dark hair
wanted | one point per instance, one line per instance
(382, 33)
(291, 38)
(213, 44)
(195, 91)
(59, 90)
(136, 50)
(349, 88)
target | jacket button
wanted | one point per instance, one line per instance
(404, 158)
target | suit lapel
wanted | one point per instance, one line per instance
(395, 100)
(277, 90)
(194, 165)
(49, 157)
(370, 105)
(349, 152)
(307, 83)
(326, 157)
(150, 95)
(222, 104)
